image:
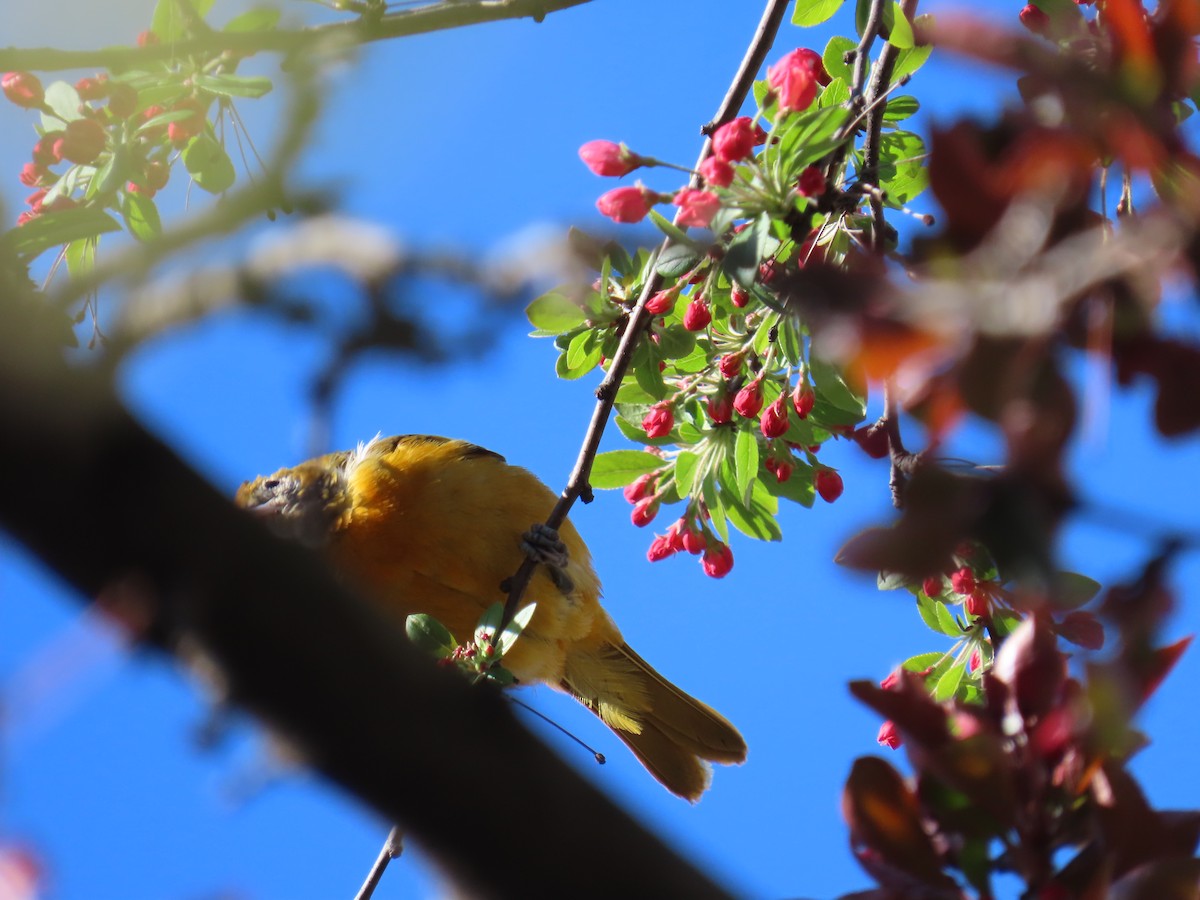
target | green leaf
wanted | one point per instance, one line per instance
(513, 629)
(233, 85)
(81, 256)
(617, 468)
(745, 460)
(677, 260)
(260, 18)
(583, 353)
(646, 374)
(947, 685)
(902, 170)
(835, 93)
(675, 341)
(169, 24)
(900, 108)
(798, 488)
(1074, 590)
(927, 608)
(830, 386)
(755, 519)
(141, 216)
(834, 58)
(685, 472)
(922, 661)
(64, 100)
(209, 164)
(890, 581)
(908, 61)
(553, 313)
(489, 622)
(947, 623)
(716, 508)
(673, 231)
(813, 12)
(746, 251)
(57, 227)
(901, 35)
(430, 635)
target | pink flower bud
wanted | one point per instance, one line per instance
(888, 735)
(1035, 19)
(44, 153)
(147, 38)
(977, 604)
(626, 204)
(92, 88)
(811, 182)
(716, 172)
(794, 80)
(738, 297)
(803, 400)
(932, 586)
(607, 158)
(730, 364)
(693, 541)
(828, 484)
(696, 208)
(641, 487)
(82, 141)
(892, 681)
(749, 400)
(720, 408)
(734, 140)
(23, 88)
(774, 420)
(697, 315)
(717, 560)
(644, 511)
(660, 303)
(659, 421)
(34, 200)
(963, 581)
(781, 468)
(661, 547)
(32, 174)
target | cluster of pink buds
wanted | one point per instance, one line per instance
(794, 81)
(715, 556)
(90, 138)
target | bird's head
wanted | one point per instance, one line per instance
(304, 503)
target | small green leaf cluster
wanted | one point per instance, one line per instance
(120, 134)
(973, 606)
(480, 657)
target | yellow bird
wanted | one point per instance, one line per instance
(427, 524)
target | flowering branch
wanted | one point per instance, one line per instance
(578, 486)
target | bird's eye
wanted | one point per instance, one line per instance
(270, 484)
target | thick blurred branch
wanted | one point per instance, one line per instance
(404, 23)
(105, 505)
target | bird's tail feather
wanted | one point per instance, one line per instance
(673, 734)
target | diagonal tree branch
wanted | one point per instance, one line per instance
(106, 506)
(606, 394)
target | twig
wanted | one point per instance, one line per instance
(881, 76)
(577, 484)
(392, 848)
(422, 20)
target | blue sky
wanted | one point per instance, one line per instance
(461, 140)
